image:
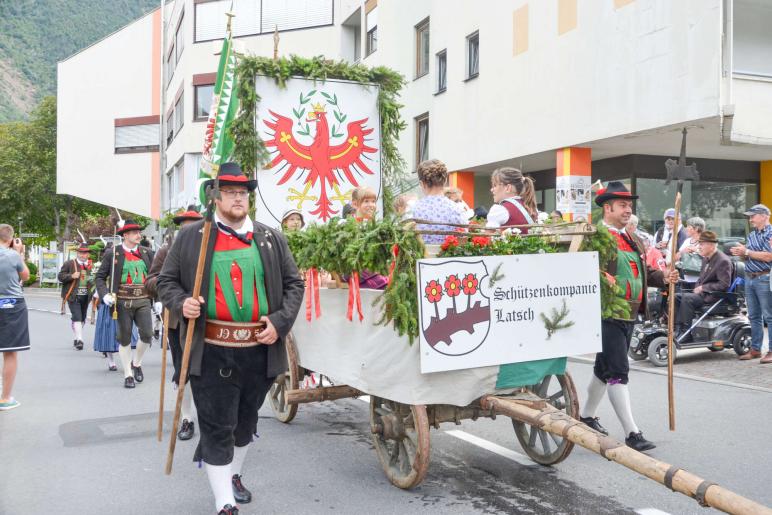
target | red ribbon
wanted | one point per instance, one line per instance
(312, 280)
(354, 297)
(395, 253)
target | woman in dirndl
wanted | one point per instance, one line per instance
(105, 336)
(14, 326)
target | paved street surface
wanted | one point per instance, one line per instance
(81, 443)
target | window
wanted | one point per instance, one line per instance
(422, 48)
(442, 71)
(473, 55)
(136, 135)
(179, 114)
(170, 127)
(371, 43)
(422, 138)
(203, 99)
(179, 38)
(210, 19)
(171, 64)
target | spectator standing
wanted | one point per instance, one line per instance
(14, 326)
(757, 255)
(434, 206)
(688, 253)
(633, 227)
(664, 233)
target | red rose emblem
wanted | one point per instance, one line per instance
(470, 284)
(433, 291)
(452, 286)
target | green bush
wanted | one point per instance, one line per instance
(32, 279)
(33, 268)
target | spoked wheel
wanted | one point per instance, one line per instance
(277, 395)
(543, 447)
(401, 440)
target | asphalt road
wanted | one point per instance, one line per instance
(82, 444)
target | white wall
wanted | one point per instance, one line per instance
(109, 80)
(649, 64)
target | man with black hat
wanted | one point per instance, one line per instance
(77, 288)
(251, 293)
(187, 428)
(715, 276)
(127, 266)
(757, 255)
(633, 276)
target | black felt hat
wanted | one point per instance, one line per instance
(230, 174)
(613, 190)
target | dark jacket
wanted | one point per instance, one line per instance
(715, 276)
(151, 284)
(651, 276)
(283, 285)
(65, 277)
(106, 268)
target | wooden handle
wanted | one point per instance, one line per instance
(671, 312)
(163, 375)
(188, 340)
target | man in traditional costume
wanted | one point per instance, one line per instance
(251, 293)
(632, 277)
(77, 287)
(127, 265)
(187, 428)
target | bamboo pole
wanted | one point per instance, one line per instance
(557, 422)
(191, 327)
(671, 310)
(164, 341)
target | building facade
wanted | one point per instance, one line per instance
(487, 85)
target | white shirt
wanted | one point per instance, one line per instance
(246, 227)
(498, 214)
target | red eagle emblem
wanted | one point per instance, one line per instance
(326, 163)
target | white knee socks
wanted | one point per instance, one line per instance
(220, 481)
(124, 351)
(239, 454)
(77, 329)
(595, 392)
(110, 358)
(140, 351)
(619, 396)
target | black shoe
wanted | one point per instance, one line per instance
(112, 368)
(79, 344)
(229, 510)
(592, 423)
(137, 371)
(128, 382)
(241, 494)
(187, 431)
(638, 442)
(75, 343)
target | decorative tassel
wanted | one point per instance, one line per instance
(354, 297)
(313, 285)
(393, 265)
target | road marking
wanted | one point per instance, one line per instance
(651, 511)
(46, 311)
(492, 447)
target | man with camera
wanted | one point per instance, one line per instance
(14, 327)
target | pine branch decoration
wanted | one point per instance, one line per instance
(557, 320)
(495, 276)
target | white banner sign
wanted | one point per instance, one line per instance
(324, 140)
(482, 311)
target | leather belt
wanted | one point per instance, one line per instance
(757, 274)
(236, 335)
(132, 292)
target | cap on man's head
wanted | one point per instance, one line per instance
(669, 213)
(758, 209)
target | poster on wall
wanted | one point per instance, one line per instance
(49, 267)
(492, 310)
(324, 141)
(573, 195)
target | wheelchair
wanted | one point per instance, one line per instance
(718, 326)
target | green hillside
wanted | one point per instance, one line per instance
(36, 34)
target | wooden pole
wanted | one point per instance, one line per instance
(323, 393)
(164, 341)
(69, 291)
(679, 480)
(191, 327)
(671, 309)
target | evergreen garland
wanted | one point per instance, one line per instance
(250, 150)
(611, 302)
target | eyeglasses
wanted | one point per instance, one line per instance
(231, 194)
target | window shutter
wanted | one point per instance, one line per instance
(295, 14)
(211, 20)
(132, 136)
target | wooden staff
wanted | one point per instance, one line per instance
(72, 286)
(191, 328)
(671, 310)
(163, 375)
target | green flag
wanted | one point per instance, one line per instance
(218, 143)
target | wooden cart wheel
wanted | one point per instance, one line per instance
(543, 447)
(284, 411)
(401, 438)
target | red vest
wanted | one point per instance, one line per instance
(515, 216)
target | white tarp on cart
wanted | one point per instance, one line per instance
(373, 359)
